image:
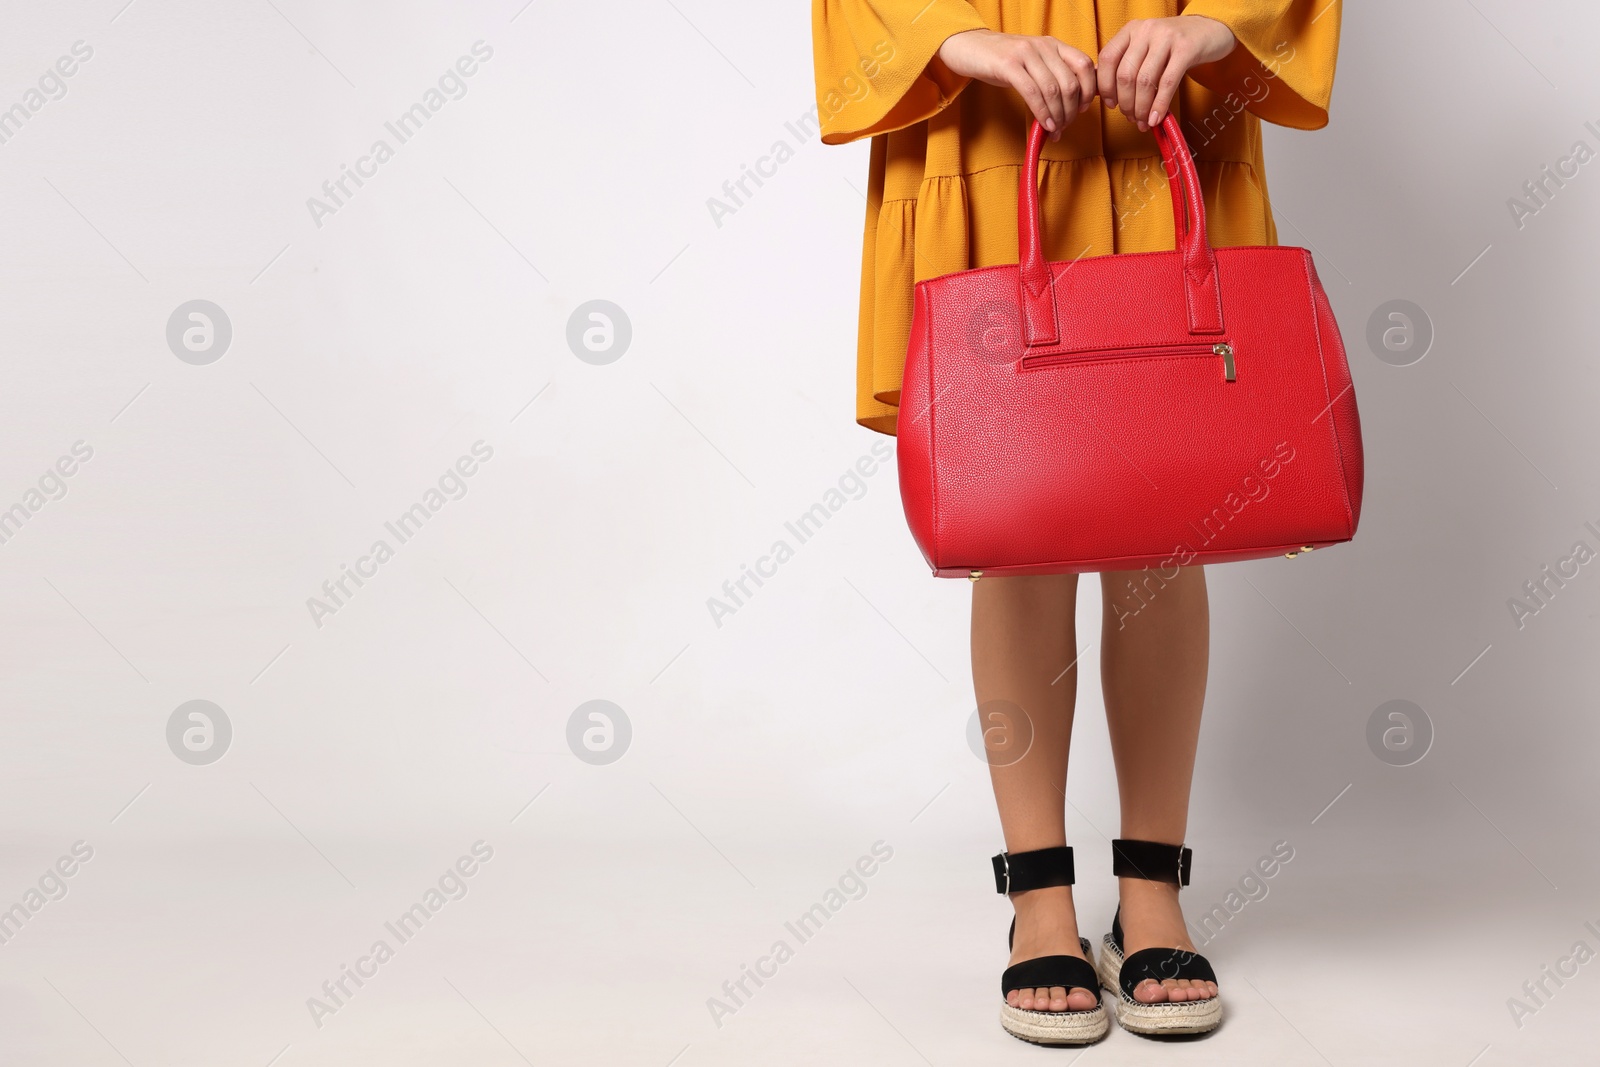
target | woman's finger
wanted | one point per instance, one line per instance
(1177, 66)
(1017, 76)
(1050, 86)
(1148, 81)
(1082, 68)
(1106, 67)
(1067, 85)
(1128, 74)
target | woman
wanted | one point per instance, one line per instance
(946, 89)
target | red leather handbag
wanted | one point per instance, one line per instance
(1150, 409)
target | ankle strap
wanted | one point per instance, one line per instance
(1151, 860)
(1017, 872)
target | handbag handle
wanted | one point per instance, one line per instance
(1199, 262)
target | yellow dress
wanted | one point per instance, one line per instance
(942, 184)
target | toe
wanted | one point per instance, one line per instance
(1058, 998)
(1080, 999)
(1149, 991)
(1014, 998)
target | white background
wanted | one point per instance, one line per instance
(831, 710)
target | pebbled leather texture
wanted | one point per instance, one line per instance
(1121, 444)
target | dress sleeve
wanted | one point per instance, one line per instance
(877, 65)
(1282, 69)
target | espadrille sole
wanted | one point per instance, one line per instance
(1188, 1017)
(1055, 1027)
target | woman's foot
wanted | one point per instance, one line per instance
(1151, 918)
(1047, 925)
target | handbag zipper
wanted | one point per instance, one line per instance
(1102, 355)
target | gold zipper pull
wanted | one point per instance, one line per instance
(1225, 350)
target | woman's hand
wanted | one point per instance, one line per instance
(1056, 80)
(1141, 66)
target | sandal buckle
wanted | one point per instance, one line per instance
(1035, 869)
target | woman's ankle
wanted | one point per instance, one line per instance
(1151, 915)
(1046, 914)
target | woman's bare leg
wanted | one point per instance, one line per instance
(1154, 648)
(1025, 679)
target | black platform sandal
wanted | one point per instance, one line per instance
(1155, 862)
(1017, 872)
